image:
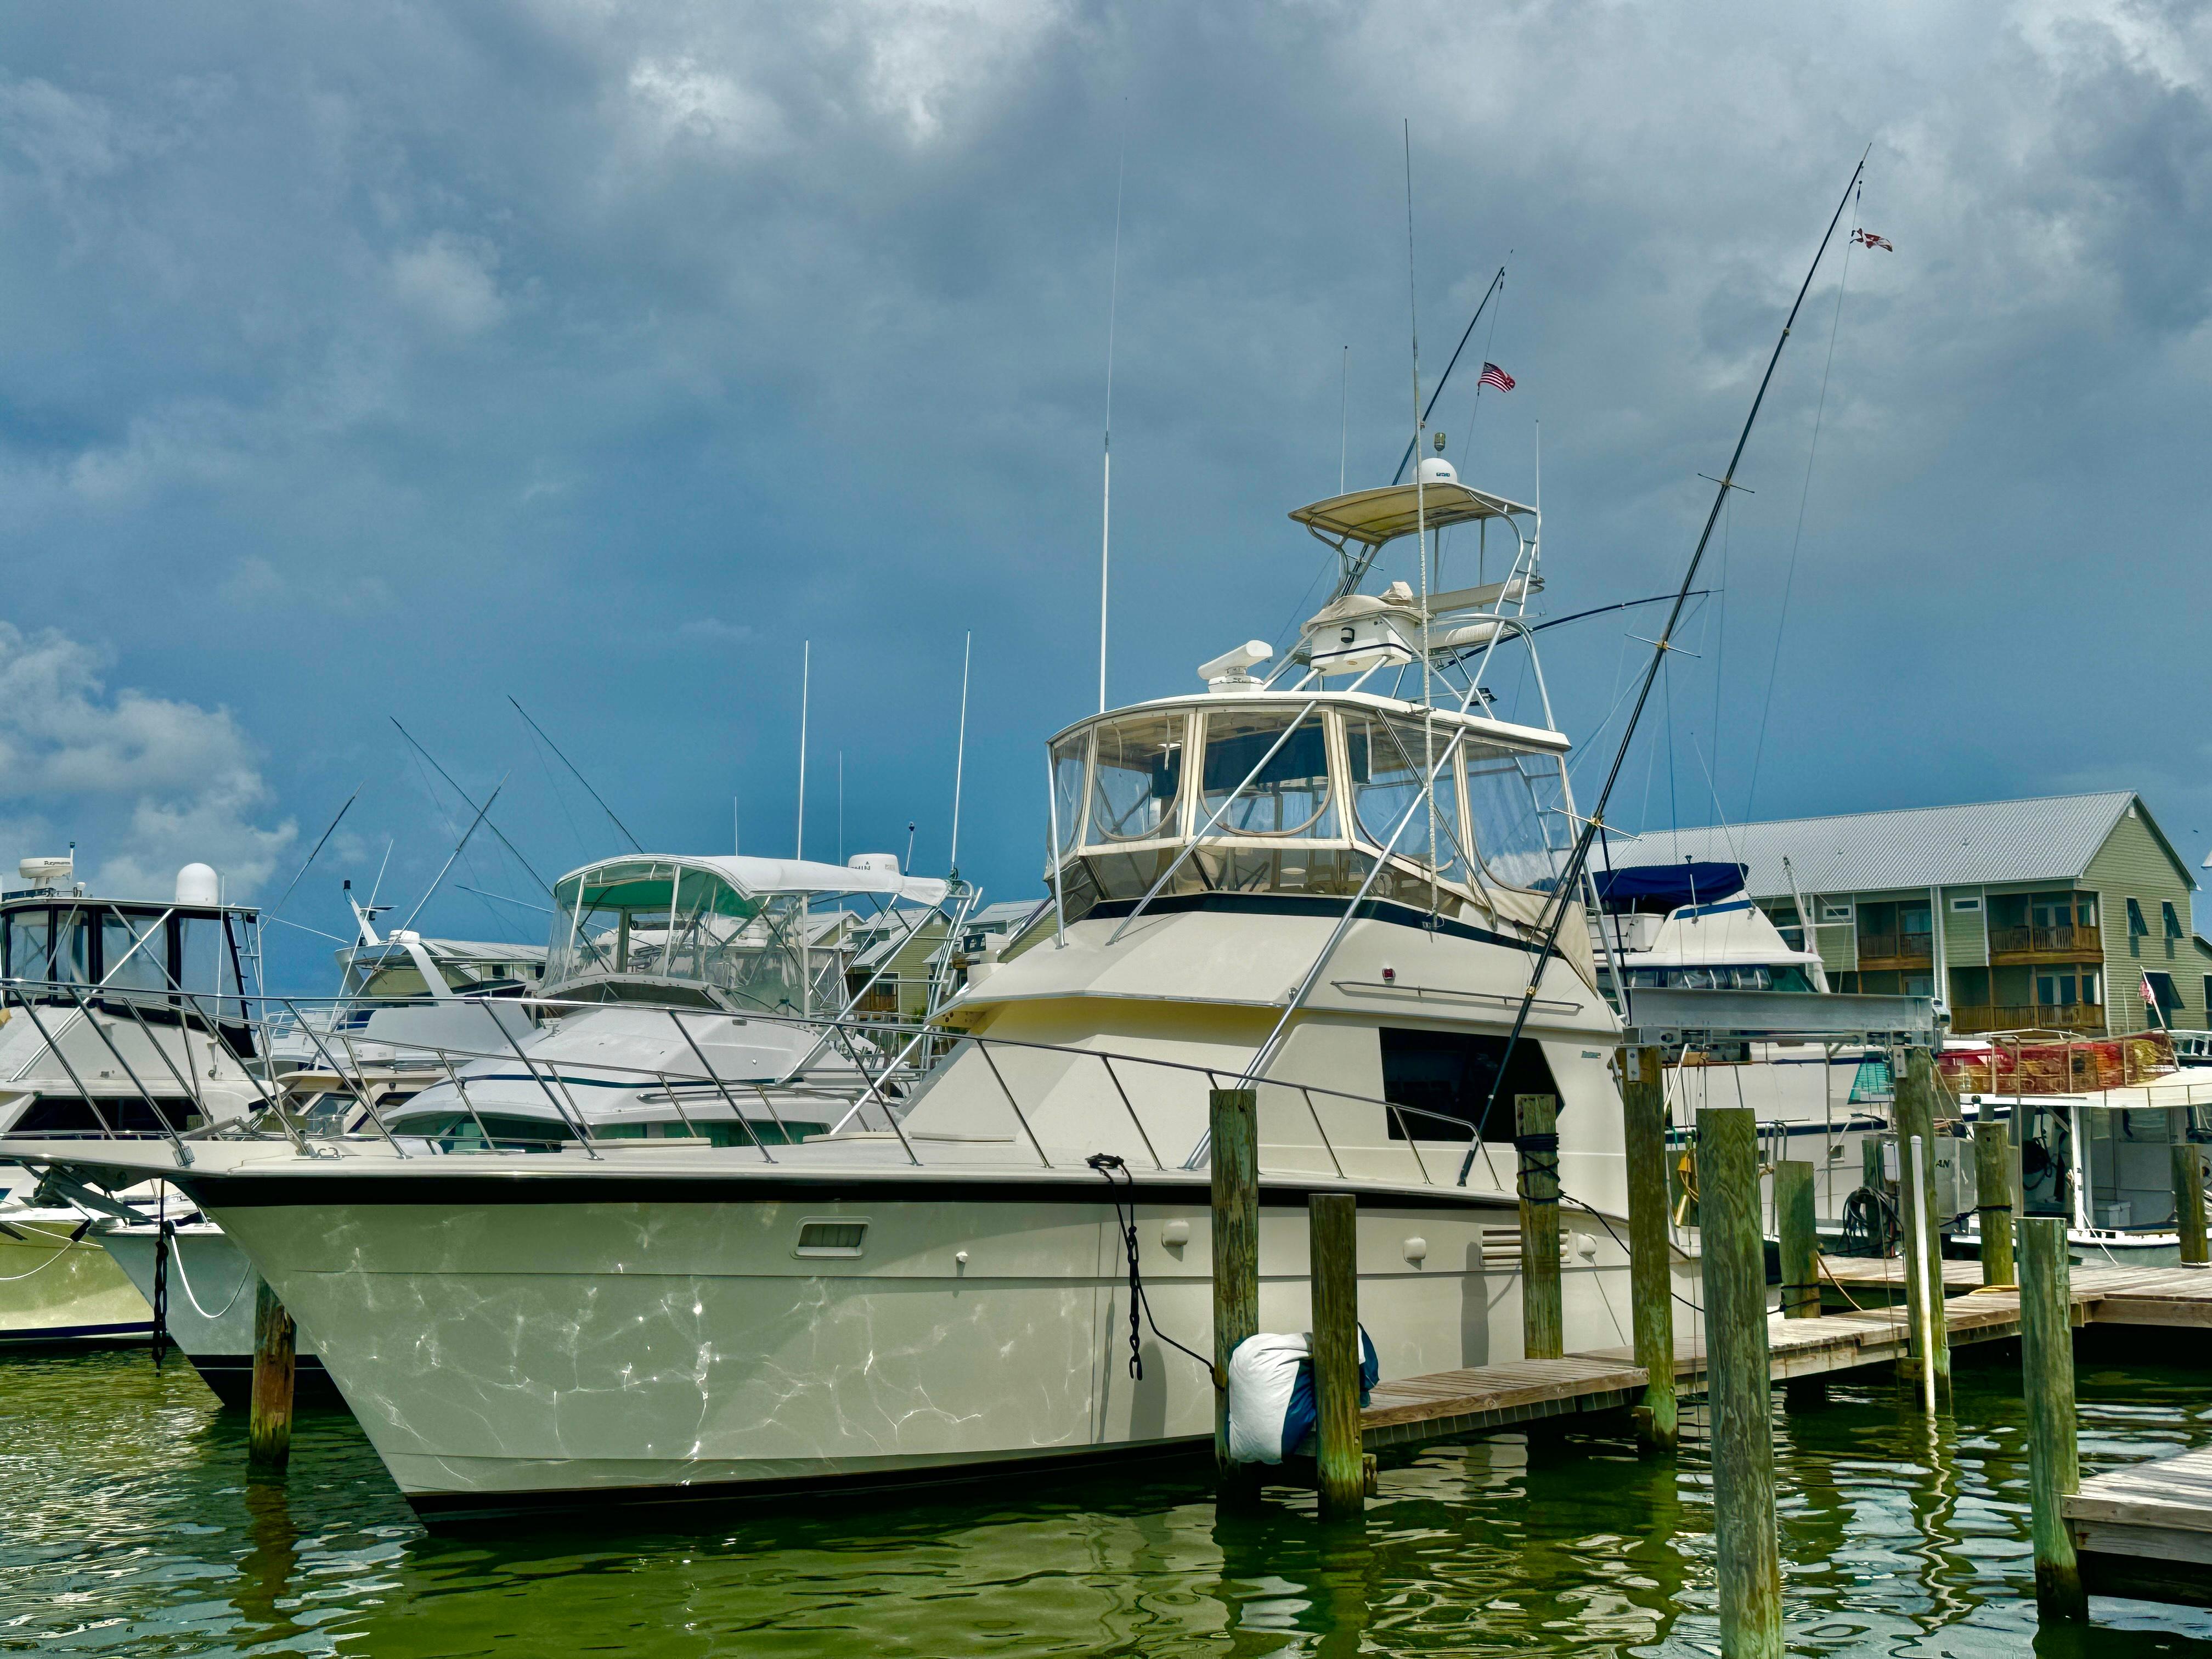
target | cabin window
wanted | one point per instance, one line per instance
(1137, 778)
(1288, 796)
(1390, 759)
(133, 955)
(1445, 1079)
(830, 1239)
(1070, 760)
(1514, 802)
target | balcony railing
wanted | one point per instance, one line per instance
(2087, 1017)
(2067, 941)
(1896, 947)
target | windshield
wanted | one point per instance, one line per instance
(1138, 778)
(1288, 794)
(668, 921)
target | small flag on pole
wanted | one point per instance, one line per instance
(1868, 238)
(1493, 375)
(2150, 999)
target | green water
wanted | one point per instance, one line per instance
(127, 1527)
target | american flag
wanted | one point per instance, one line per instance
(1493, 375)
(1868, 238)
(2150, 1000)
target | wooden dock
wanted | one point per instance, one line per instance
(2147, 1531)
(1410, 1410)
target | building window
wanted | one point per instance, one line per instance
(1835, 912)
(2169, 998)
(1974, 904)
(2137, 927)
(2171, 917)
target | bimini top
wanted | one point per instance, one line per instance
(1376, 516)
(1672, 885)
(868, 872)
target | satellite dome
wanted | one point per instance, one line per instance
(1436, 470)
(198, 883)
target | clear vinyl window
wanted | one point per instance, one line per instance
(1515, 803)
(1289, 795)
(1071, 760)
(1137, 777)
(1390, 759)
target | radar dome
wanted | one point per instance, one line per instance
(198, 883)
(884, 864)
(1436, 470)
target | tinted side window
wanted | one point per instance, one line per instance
(1451, 1074)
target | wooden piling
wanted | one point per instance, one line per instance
(2189, 1200)
(1915, 1115)
(1993, 1199)
(1734, 1252)
(1794, 1225)
(2046, 1359)
(1536, 1136)
(1650, 1273)
(269, 1428)
(1234, 1115)
(1332, 1231)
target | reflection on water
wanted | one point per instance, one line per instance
(130, 1527)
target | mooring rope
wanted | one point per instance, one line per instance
(64, 1248)
(185, 1280)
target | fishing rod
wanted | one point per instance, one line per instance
(1356, 572)
(274, 914)
(470, 800)
(1495, 283)
(1578, 858)
(579, 776)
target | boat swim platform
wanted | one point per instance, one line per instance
(1444, 1404)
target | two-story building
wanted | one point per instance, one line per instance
(2049, 913)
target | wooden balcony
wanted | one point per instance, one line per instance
(2014, 945)
(1882, 951)
(2084, 1018)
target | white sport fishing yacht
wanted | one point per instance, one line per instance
(1331, 883)
(440, 1041)
(117, 1017)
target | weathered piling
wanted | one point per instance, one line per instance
(2189, 1200)
(1915, 1203)
(1734, 1252)
(1651, 1274)
(2046, 1360)
(1234, 1120)
(1796, 1227)
(1536, 1136)
(1993, 1186)
(269, 1426)
(1332, 1221)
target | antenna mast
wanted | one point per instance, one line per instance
(960, 749)
(805, 677)
(1106, 509)
(1578, 859)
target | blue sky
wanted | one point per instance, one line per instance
(383, 361)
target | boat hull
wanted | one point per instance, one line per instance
(59, 1289)
(508, 1352)
(209, 1308)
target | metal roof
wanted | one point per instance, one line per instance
(2050, 838)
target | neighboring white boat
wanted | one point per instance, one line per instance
(1337, 892)
(117, 1017)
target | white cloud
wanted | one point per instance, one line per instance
(714, 628)
(448, 279)
(143, 784)
(683, 101)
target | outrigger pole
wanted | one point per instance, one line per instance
(1578, 859)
